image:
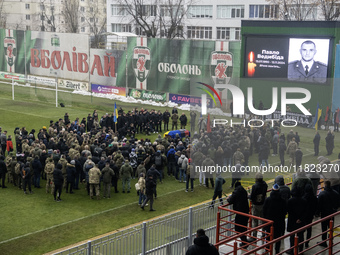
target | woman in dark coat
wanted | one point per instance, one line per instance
(329, 142)
(297, 207)
(239, 200)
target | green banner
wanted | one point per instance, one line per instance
(175, 66)
(147, 95)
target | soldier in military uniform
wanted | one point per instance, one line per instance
(307, 69)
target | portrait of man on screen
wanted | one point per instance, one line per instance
(307, 69)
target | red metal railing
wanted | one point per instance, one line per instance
(295, 248)
(228, 236)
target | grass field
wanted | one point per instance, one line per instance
(35, 224)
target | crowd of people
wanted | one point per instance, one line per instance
(99, 151)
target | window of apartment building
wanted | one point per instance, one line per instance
(91, 20)
(42, 7)
(228, 33)
(118, 10)
(82, 29)
(147, 10)
(302, 12)
(178, 33)
(230, 11)
(82, 9)
(42, 17)
(27, 6)
(28, 17)
(91, 9)
(139, 31)
(120, 27)
(167, 11)
(199, 32)
(91, 29)
(263, 11)
(82, 19)
(28, 27)
(200, 11)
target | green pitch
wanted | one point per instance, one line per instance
(36, 224)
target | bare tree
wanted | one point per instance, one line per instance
(330, 9)
(299, 10)
(3, 15)
(95, 17)
(70, 13)
(48, 14)
(164, 18)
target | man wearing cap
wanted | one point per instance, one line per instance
(71, 175)
(275, 209)
(126, 172)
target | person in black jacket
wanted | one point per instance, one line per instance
(328, 203)
(3, 171)
(166, 116)
(150, 187)
(296, 207)
(201, 245)
(282, 150)
(71, 175)
(312, 204)
(258, 196)
(37, 169)
(58, 180)
(316, 142)
(183, 119)
(275, 209)
(329, 142)
(239, 200)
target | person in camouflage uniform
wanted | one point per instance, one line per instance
(291, 148)
(107, 173)
(118, 159)
(238, 156)
(62, 161)
(126, 172)
(94, 180)
(8, 162)
(49, 168)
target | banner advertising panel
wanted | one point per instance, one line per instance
(60, 55)
(147, 95)
(41, 80)
(192, 100)
(104, 65)
(175, 65)
(95, 88)
(12, 43)
(75, 85)
(12, 76)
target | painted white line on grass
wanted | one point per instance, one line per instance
(75, 220)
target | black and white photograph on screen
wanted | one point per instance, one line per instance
(308, 59)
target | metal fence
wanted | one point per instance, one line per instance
(168, 235)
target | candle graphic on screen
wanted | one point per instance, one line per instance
(251, 64)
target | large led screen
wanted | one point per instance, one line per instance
(295, 59)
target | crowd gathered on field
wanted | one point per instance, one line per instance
(98, 151)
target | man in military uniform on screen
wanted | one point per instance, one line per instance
(307, 69)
